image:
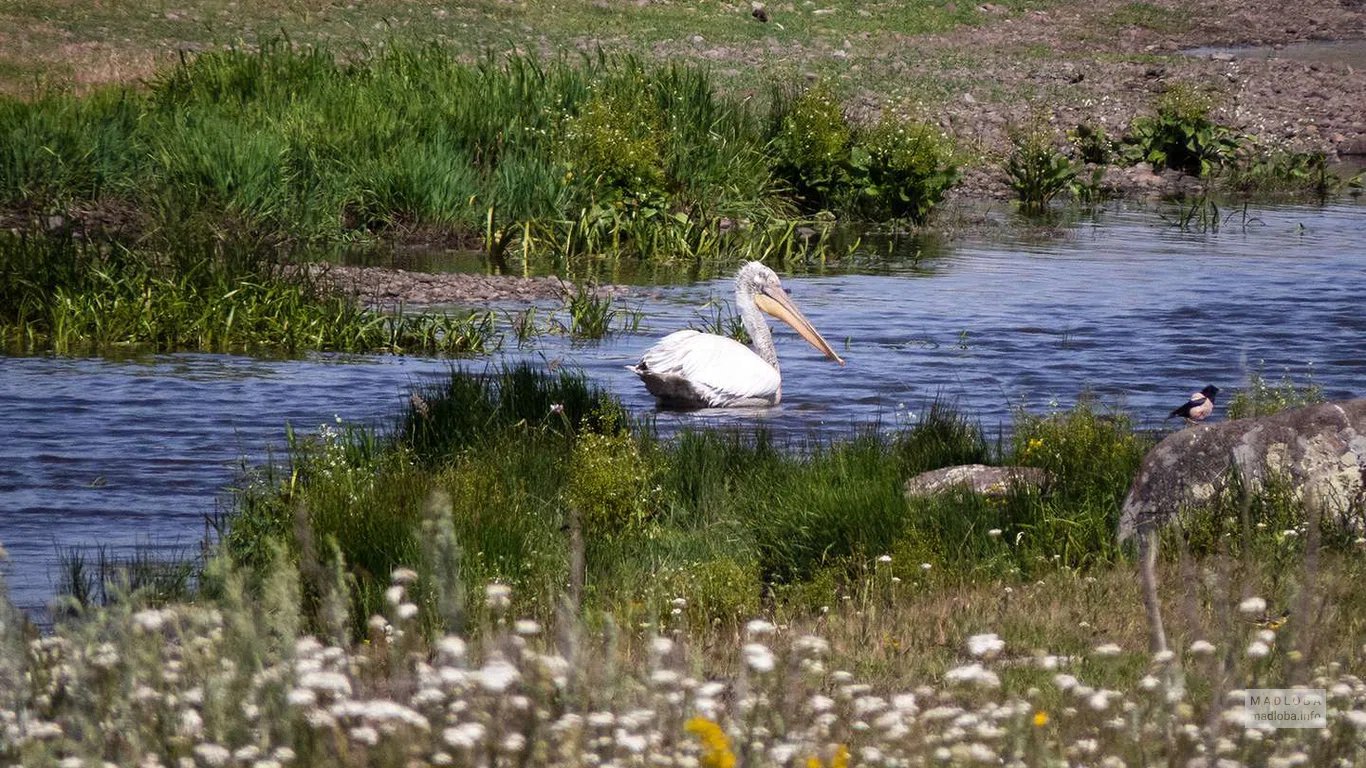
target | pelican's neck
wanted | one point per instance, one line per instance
(754, 321)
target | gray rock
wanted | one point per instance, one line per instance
(1319, 448)
(977, 478)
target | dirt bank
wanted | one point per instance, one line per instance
(386, 287)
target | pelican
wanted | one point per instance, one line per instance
(691, 369)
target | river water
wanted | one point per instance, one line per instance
(137, 452)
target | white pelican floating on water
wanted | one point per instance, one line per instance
(691, 369)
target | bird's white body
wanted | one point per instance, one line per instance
(1200, 407)
(691, 369)
(694, 368)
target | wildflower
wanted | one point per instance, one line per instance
(631, 742)
(1108, 649)
(526, 627)
(333, 683)
(496, 675)
(1040, 719)
(1202, 647)
(664, 678)
(464, 736)
(985, 645)
(661, 646)
(811, 645)
(1253, 606)
(394, 595)
(925, 566)
(715, 744)
(758, 657)
(1148, 683)
(1258, 649)
(148, 621)
(212, 754)
(403, 576)
(975, 674)
(191, 724)
(407, 611)
(451, 648)
(759, 628)
(497, 596)
(994, 533)
(884, 558)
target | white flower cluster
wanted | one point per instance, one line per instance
(184, 686)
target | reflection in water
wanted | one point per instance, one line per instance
(121, 452)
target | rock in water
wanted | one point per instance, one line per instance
(1321, 448)
(978, 478)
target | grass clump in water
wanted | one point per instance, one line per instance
(63, 295)
(1035, 170)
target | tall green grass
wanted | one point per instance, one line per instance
(523, 462)
(592, 154)
(67, 296)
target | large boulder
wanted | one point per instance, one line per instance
(977, 478)
(1319, 448)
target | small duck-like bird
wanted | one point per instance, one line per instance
(1199, 406)
(690, 369)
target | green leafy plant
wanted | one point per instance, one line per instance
(1092, 144)
(811, 146)
(1282, 172)
(1181, 134)
(900, 169)
(1262, 397)
(896, 169)
(1035, 170)
(616, 146)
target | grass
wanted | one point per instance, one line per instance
(904, 664)
(591, 154)
(68, 296)
(146, 29)
(725, 519)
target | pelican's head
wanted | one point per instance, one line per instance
(762, 284)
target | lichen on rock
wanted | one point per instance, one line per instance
(1319, 450)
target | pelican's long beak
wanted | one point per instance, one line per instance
(775, 302)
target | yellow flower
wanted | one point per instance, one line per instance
(715, 746)
(841, 758)
(1040, 719)
(813, 762)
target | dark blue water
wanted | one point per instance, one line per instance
(132, 452)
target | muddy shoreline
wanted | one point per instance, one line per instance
(387, 288)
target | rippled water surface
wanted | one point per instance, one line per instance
(128, 452)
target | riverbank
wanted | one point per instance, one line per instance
(1087, 82)
(973, 68)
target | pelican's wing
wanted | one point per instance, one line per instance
(721, 370)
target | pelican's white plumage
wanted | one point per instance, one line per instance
(690, 369)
